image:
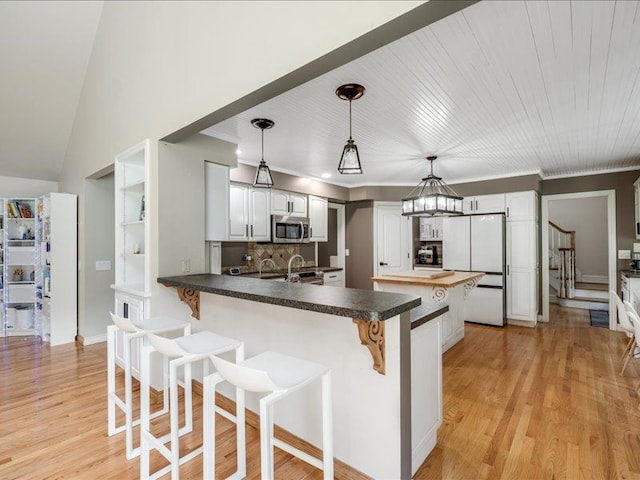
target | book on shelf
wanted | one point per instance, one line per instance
(19, 210)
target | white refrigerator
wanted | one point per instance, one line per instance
(476, 243)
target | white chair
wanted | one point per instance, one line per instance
(183, 352)
(626, 325)
(278, 376)
(131, 332)
(635, 321)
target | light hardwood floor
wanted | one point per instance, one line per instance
(518, 403)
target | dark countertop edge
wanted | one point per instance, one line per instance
(630, 273)
(425, 313)
(370, 315)
(280, 273)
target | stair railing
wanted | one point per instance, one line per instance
(562, 258)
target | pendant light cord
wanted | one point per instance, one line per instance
(262, 152)
(350, 138)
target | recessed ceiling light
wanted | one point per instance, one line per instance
(238, 151)
(326, 175)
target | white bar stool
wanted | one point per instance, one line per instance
(183, 351)
(278, 375)
(132, 332)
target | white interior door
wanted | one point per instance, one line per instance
(391, 236)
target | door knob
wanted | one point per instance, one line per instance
(382, 264)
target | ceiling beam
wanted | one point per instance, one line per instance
(426, 14)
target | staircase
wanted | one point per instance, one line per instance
(563, 287)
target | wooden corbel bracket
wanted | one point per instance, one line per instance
(372, 336)
(192, 298)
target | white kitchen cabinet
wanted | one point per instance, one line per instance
(334, 279)
(288, 203)
(56, 268)
(318, 218)
(249, 218)
(132, 307)
(636, 201)
(484, 204)
(431, 229)
(522, 206)
(216, 202)
(522, 271)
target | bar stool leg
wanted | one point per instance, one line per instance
(145, 371)
(111, 379)
(327, 427)
(128, 412)
(241, 444)
(266, 447)
(173, 414)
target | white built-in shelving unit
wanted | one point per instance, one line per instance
(18, 293)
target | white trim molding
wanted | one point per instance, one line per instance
(610, 195)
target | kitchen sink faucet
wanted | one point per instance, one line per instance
(262, 263)
(291, 263)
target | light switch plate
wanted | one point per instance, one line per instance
(346, 252)
(636, 247)
(103, 265)
(624, 254)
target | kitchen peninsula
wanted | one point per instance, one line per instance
(436, 287)
(380, 427)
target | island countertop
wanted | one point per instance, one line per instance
(344, 302)
(419, 277)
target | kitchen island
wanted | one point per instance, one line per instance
(435, 287)
(384, 373)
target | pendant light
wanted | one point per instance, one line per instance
(350, 159)
(432, 197)
(263, 174)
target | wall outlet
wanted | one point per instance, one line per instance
(186, 265)
(346, 252)
(624, 254)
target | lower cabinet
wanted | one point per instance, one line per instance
(334, 279)
(131, 307)
(521, 297)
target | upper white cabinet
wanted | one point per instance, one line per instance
(318, 211)
(522, 206)
(216, 202)
(132, 228)
(288, 203)
(636, 198)
(430, 229)
(249, 213)
(484, 204)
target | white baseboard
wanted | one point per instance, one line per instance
(93, 340)
(595, 279)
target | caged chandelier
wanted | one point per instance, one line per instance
(263, 174)
(432, 197)
(350, 159)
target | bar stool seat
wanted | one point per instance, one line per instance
(277, 375)
(132, 331)
(177, 352)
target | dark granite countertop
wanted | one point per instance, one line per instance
(425, 313)
(344, 302)
(282, 272)
(631, 273)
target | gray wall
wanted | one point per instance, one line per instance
(181, 205)
(99, 245)
(359, 241)
(587, 217)
(330, 247)
(622, 183)
(283, 181)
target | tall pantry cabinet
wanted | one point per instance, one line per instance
(56, 273)
(522, 257)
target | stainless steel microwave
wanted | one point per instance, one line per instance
(289, 229)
